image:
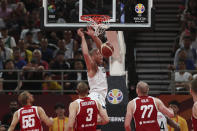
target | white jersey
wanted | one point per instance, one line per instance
(98, 83)
(162, 121)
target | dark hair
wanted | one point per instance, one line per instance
(4, 28)
(194, 86)
(174, 102)
(41, 32)
(193, 30)
(47, 74)
(31, 21)
(78, 60)
(59, 105)
(7, 61)
(13, 100)
(29, 33)
(60, 53)
(16, 49)
(77, 53)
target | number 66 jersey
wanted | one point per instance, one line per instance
(145, 114)
(29, 119)
(86, 119)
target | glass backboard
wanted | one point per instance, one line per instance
(124, 14)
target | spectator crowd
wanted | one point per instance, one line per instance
(24, 46)
(185, 45)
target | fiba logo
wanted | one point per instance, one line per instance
(139, 8)
(51, 8)
(115, 96)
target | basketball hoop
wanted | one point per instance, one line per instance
(99, 22)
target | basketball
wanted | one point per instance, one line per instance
(107, 49)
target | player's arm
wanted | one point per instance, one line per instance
(48, 121)
(163, 109)
(15, 120)
(173, 124)
(98, 42)
(88, 60)
(72, 116)
(129, 116)
(194, 110)
(103, 114)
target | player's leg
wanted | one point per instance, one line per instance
(98, 127)
(96, 96)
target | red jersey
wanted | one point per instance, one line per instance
(194, 123)
(29, 118)
(86, 119)
(145, 114)
(194, 120)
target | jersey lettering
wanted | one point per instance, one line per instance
(144, 108)
(145, 114)
(90, 112)
(162, 127)
(28, 121)
(86, 119)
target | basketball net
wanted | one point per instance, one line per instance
(100, 23)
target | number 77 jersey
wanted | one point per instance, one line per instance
(145, 114)
(86, 119)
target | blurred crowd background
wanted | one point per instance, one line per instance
(26, 51)
(24, 46)
(185, 45)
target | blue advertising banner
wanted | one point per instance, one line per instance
(116, 103)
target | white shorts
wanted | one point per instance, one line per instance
(98, 97)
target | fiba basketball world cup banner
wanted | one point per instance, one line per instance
(116, 103)
(140, 12)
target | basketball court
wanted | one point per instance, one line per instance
(113, 16)
(110, 19)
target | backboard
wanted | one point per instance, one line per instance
(124, 14)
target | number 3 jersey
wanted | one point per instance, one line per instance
(86, 119)
(145, 114)
(29, 118)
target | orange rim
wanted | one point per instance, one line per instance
(96, 18)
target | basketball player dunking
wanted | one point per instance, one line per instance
(83, 112)
(193, 91)
(29, 116)
(96, 74)
(144, 109)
